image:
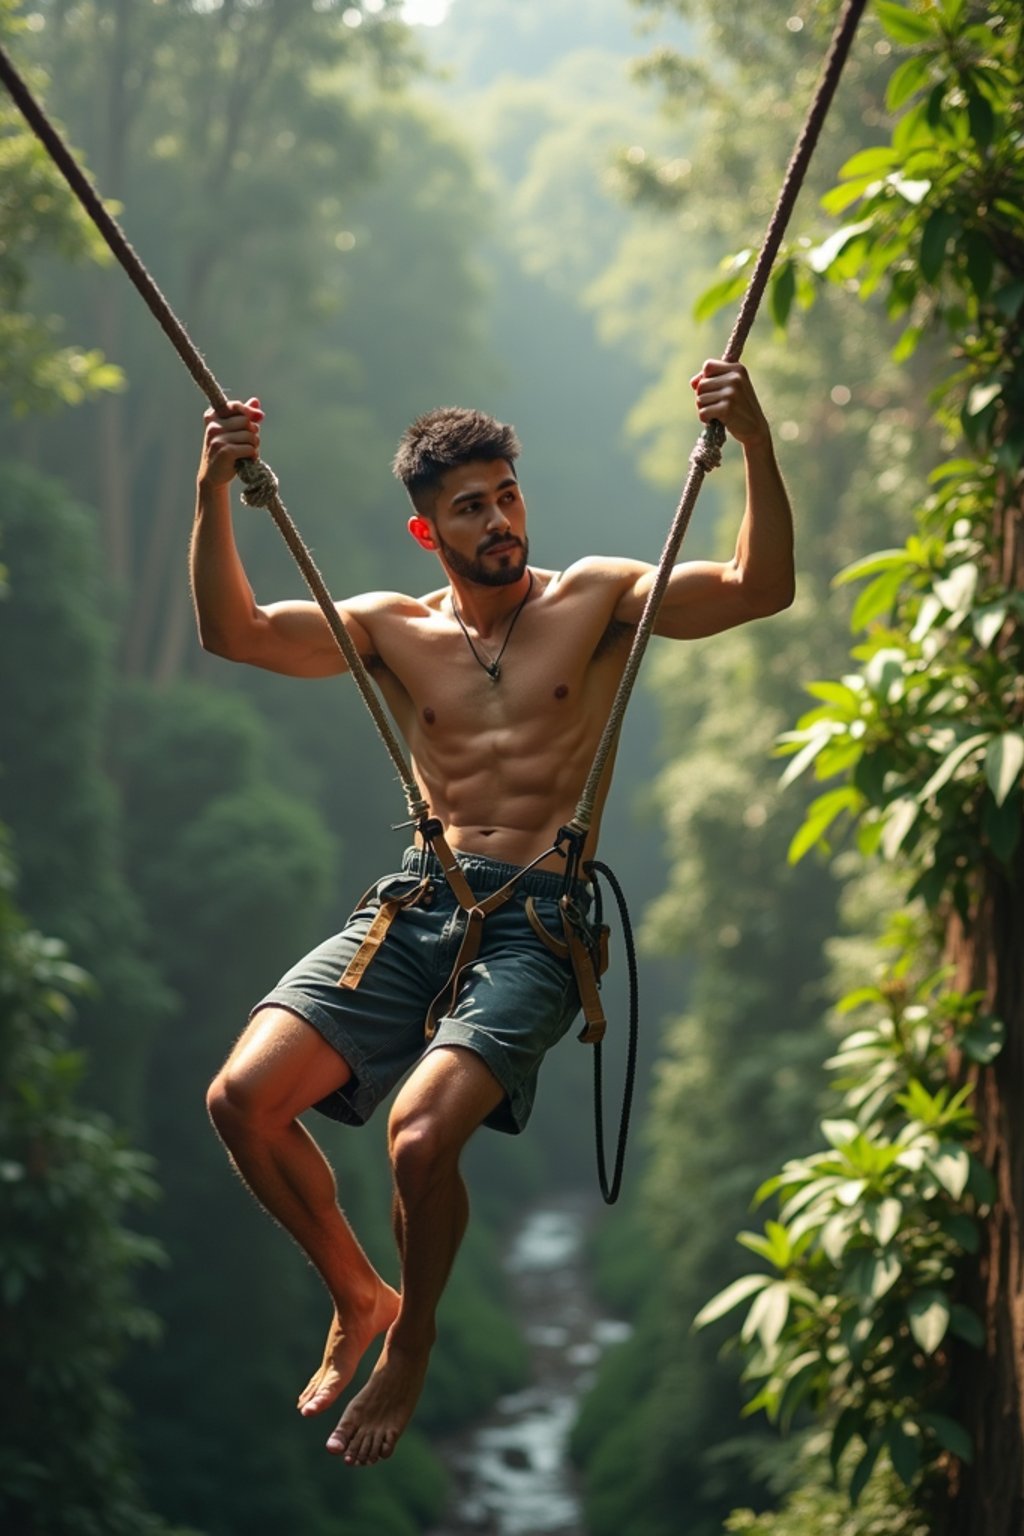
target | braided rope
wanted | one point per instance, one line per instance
(261, 483)
(258, 479)
(707, 453)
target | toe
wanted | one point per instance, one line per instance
(338, 1441)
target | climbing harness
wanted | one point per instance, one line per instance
(585, 942)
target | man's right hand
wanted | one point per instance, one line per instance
(228, 439)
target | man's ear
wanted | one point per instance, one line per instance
(422, 531)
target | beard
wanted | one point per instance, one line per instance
(505, 574)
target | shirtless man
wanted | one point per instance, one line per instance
(500, 682)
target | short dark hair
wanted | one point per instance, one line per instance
(445, 438)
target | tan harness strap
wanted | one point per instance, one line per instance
(352, 975)
(468, 949)
(588, 964)
(452, 871)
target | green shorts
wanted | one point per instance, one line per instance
(516, 999)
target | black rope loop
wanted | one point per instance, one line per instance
(610, 1189)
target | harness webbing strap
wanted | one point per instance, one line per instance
(377, 932)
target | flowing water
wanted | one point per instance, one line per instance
(511, 1476)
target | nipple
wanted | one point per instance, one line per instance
(562, 691)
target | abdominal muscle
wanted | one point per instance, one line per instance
(505, 792)
(502, 764)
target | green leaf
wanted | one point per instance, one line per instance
(719, 295)
(767, 1315)
(967, 1325)
(952, 762)
(981, 261)
(839, 1133)
(902, 25)
(877, 598)
(1001, 826)
(928, 1314)
(1004, 759)
(952, 468)
(884, 673)
(981, 118)
(984, 1040)
(906, 80)
(822, 256)
(869, 565)
(782, 293)
(886, 1220)
(963, 1230)
(868, 162)
(731, 1297)
(842, 197)
(900, 819)
(956, 591)
(905, 1451)
(987, 622)
(882, 1275)
(912, 190)
(849, 1423)
(819, 817)
(866, 1465)
(834, 1236)
(908, 343)
(939, 228)
(981, 396)
(950, 1435)
(805, 756)
(952, 1167)
(838, 694)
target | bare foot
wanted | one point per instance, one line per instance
(347, 1341)
(376, 1416)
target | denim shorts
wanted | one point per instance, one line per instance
(516, 999)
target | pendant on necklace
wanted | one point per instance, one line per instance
(494, 671)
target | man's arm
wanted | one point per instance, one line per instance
(704, 597)
(290, 637)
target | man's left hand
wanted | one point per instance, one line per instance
(724, 393)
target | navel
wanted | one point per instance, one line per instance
(562, 691)
(429, 716)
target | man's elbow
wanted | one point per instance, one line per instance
(763, 601)
(219, 642)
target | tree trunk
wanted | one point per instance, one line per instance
(988, 1496)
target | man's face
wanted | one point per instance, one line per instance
(478, 526)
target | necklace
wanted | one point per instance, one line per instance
(493, 668)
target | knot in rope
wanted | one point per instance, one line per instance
(707, 451)
(259, 481)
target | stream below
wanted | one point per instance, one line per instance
(511, 1474)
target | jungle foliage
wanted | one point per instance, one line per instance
(68, 1304)
(876, 1236)
(869, 1248)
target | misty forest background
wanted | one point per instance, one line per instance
(359, 219)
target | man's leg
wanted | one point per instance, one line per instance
(439, 1108)
(279, 1067)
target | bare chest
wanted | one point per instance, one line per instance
(553, 674)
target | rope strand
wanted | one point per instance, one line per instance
(707, 454)
(259, 481)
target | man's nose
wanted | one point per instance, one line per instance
(497, 521)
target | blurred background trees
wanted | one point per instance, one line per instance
(520, 209)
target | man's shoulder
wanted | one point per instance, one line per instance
(601, 572)
(370, 605)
